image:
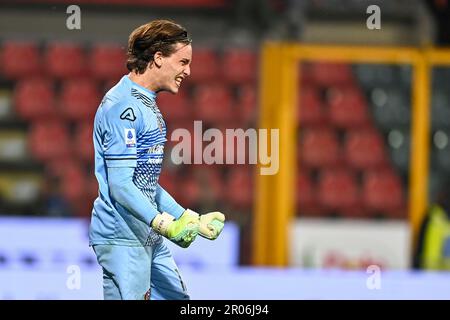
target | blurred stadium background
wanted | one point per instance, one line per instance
(364, 118)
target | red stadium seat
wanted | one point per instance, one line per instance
(347, 107)
(49, 140)
(168, 180)
(107, 61)
(59, 167)
(306, 196)
(239, 187)
(82, 201)
(82, 208)
(191, 191)
(205, 66)
(306, 77)
(247, 105)
(73, 184)
(175, 107)
(239, 66)
(339, 192)
(383, 193)
(210, 182)
(64, 60)
(330, 74)
(79, 99)
(214, 104)
(91, 188)
(365, 149)
(66, 181)
(20, 59)
(106, 86)
(34, 99)
(311, 110)
(319, 147)
(84, 147)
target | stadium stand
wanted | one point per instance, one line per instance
(350, 146)
(59, 105)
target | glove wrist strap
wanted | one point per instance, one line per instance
(161, 222)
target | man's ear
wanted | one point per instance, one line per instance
(157, 59)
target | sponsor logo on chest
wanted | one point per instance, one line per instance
(156, 150)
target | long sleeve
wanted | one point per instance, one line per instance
(125, 192)
(167, 203)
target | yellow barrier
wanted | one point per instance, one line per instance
(275, 195)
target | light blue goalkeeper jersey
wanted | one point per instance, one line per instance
(129, 131)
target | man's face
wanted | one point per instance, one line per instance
(175, 68)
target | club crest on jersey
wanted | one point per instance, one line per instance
(130, 138)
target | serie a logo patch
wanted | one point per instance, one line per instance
(130, 138)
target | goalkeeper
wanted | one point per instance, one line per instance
(133, 212)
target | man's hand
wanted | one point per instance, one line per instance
(182, 231)
(211, 225)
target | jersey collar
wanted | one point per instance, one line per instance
(150, 94)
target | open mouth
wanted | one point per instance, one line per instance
(178, 81)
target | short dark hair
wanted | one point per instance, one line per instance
(146, 40)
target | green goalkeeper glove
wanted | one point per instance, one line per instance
(182, 231)
(211, 225)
